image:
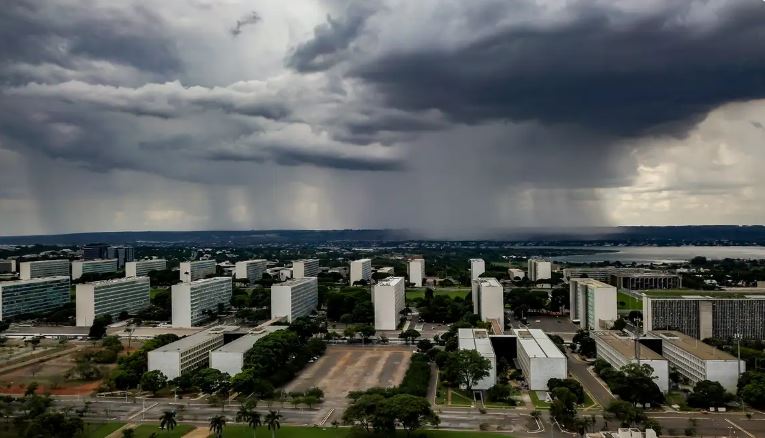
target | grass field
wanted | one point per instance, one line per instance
(101, 430)
(145, 430)
(238, 431)
(676, 398)
(451, 292)
(628, 302)
(155, 290)
(539, 404)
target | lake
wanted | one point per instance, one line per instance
(661, 254)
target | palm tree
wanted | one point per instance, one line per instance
(217, 423)
(272, 420)
(254, 422)
(167, 420)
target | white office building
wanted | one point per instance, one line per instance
(620, 349)
(186, 354)
(197, 270)
(514, 273)
(8, 266)
(539, 269)
(100, 266)
(593, 303)
(305, 268)
(111, 297)
(22, 297)
(539, 358)
(478, 340)
(415, 270)
(294, 298)
(389, 298)
(361, 270)
(192, 301)
(477, 267)
(43, 268)
(230, 357)
(250, 270)
(699, 361)
(488, 301)
(141, 268)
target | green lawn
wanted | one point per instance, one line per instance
(155, 290)
(101, 430)
(144, 430)
(628, 302)
(677, 398)
(239, 431)
(451, 292)
(539, 404)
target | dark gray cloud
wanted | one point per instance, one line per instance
(247, 20)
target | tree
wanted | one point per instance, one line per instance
(619, 324)
(409, 335)
(247, 415)
(707, 393)
(98, 329)
(754, 393)
(128, 433)
(424, 345)
(411, 411)
(585, 345)
(563, 407)
(626, 412)
(153, 381)
(52, 424)
(363, 410)
(167, 420)
(211, 381)
(366, 331)
(573, 385)
(217, 423)
(273, 422)
(468, 367)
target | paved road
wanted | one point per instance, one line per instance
(578, 369)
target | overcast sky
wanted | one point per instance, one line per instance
(450, 117)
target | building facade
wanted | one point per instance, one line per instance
(514, 273)
(186, 354)
(539, 358)
(593, 303)
(477, 267)
(539, 269)
(82, 267)
(620, 349)
(478, 340)
(123, 254)
(305, 268)
(95, 251)
(9, 267)
(361, 270)
(43, 268)
(196, 270)
(488, 301)
(33, 296)
(707, 316)
(415, 270)
(646, 280)
(251, 270)
(193, 301)
(229, 358)
(294, 298)
(111, 297)
(141, 268)
(389, 298)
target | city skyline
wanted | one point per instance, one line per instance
(452, 118)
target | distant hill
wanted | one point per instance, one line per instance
(674, 235)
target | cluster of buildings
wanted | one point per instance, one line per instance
(627, 278)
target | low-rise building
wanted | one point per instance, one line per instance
(192, 302)
(389, 298)
(361, 270)
(488, 301)
(141, 268)
(294, 298)
(229, 358)
(251, 270)
(699, 361)
(305, 268)
(539, 358)
(386, 270)
(9, 266)
(197, 269)
(646, 280)
(478, 340)
(186, 354)
(37, 295)
(593, 303)
(515, 273)
(620, 349)
(415, 270)
(477, 267)
(111, 297)
(101, 266)
(43, 268)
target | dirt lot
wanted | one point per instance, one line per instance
(351, 368)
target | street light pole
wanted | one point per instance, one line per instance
(738, 337)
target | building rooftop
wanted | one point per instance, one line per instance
(206, 280)
(296, 281)
(194, 262)
(363, 260)
(253, 261)
(46, 261)
(489, 282)
(625, 345)
(243, 344)
(94, 261)
(117, 280)
(305, 260)
(476, 260)
(475, 339)
(190, 341)
(537, 344)
(692, 345)
(690, 294)
(389, 281)
(591, 282)
(34, 280)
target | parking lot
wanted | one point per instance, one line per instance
(352, 368)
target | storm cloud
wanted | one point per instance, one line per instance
(449, 117)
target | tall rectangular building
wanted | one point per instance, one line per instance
(711, 315)
(478, 340)
(539, 269)
(251, 270)
(294, 298)
(33, 296)
(539, 358)
(186, 354)
(361, 270)
(7, 266)
(197, 269)
(43, 268)
(95, 251)
(141, 268)
(619, 350)
(305, 268)
(193, 301)
(477, 267)
(489, 302)
(111, 297)
(593, 303)
(389, 298)
(123, 254)
(415, 270)
(82, 267)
